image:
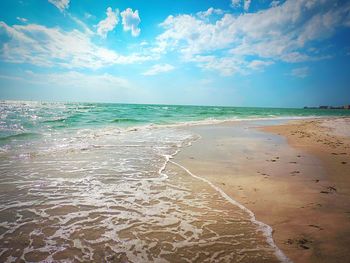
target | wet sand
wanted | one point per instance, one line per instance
(183, 210)
(87, 205)
(294, 177)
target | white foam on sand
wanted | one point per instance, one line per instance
(266, 229)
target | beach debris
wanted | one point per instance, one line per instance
(329, 190)
(301, 243)
(316, 226)
(316, 180)
(304, 247)
(344, 162)
(290, 241)
(294, 173)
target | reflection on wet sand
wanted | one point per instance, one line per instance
(103, 204)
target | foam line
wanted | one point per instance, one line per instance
(211, 121)
(266, 229)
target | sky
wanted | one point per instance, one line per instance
(264, 53)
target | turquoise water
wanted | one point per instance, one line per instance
(29, 120)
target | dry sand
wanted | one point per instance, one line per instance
(302, 191)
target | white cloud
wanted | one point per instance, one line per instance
(109, 23)
(73, 79)
(294, 57)
(238, 3)
(225, 65)
(300, 72)
(80, 23)
(274, 3)
(246, 5)
(60, 4)
(87, 15)
(192, 35)
(22, 19)
(130, 21)
(280, 33)
(43, 46)
(259, 64)
(159, 68)
(91, 86)
(206, 14)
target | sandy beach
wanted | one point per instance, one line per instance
(294, 176)
(249, 190)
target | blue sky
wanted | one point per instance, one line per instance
(229, 52)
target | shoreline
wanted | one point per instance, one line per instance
(238, 194)
(271, 167)
(264, 228)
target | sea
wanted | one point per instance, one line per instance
(95, 182)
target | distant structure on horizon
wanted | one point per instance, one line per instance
(345, 107)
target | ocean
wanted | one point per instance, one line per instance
(29, 119)
(94, 182)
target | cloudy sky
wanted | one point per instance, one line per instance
(220, 52)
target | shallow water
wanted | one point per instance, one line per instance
(25, 120)
(92, 182)
(106, 197)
